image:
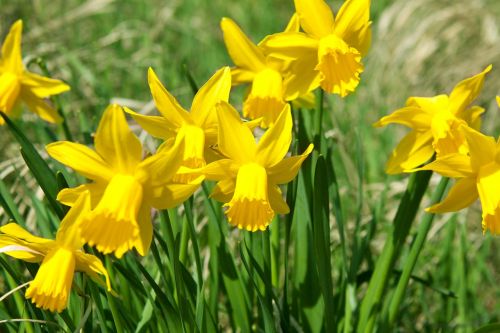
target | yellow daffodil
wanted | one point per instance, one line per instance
(17, 84)
(125, 187)
(436, 124)
(249, 175)
(268, 94)
(199, 127)
(60, 258)
(479, 176)
(329, 53)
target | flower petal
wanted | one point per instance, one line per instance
(92, 266)
(69, 196)
(240, 76)
(276, 200)
(224, 190)
(482, 148)
(157, 126)
(116, 143)
(43, 86)
(143, 241)
(68, 234)
(10, 89)
(40, 106)
(316, 17)
(410, 116)
(353, 24)
(451, 165)
(275, 142)
(467, 91)
(241, 49)
(460, 196)
(294, 24)
(82, 159)
(11, 49)
(220, 170)
(172, 195)
(412, 151)
(286, 170)
(488, 183)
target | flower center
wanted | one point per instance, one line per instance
(250, 208)
(448, 138)
(266, 97)
(112, 226)
(339, 66)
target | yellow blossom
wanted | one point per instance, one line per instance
(59, 258)
(478, 175)
(436, 124)
(125, 187)
(17, 84)
(249, 175)
(329, 52)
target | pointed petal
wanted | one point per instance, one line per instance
(11, 49)
(43, 86)
(16, 231)
(472, 116)
(241, 49)
(240, 76)
(68, 233)
(10, 89)
(92, 266)
(294, 24)
(215, 90)
(467, 91)
(116, 143)
(276, 200)
(353, 24)
(157, 126)
(236, 141)
(40, 106)
(172, 195)
(166, 103)
(414, 150)
(482, 148)
(69, 196)
(16, 248)
(488, 183)
(145, 236)
(460, 196)
(498, 101)
(220, 170)
(290, 45)
(287, 169)
(451, 165)
(409, 116)
(224, 190)
(275, 142)
(82, 159)
(316, 17)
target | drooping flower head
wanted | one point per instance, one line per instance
(17, 84)
(249, 175)
(59, 258)
(329, 52)
(124, 187)
(478, 175)
(436, 124)
(199, 127)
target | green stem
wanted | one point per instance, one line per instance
(319, 119)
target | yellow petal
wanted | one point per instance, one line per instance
(250, 208)
(304, 77)
(68, 234)
(19, 249)
(224, 190)
(40, 106)
(240, 75)
(429, 104)
(221, 169)
(451, 165)
(307, 101)
(482, 148)
(116, 143)
(172, 195)
(11, 49)
(112, 226)
(92, 266)
(69, 196)
(409, 116)
(491, 221)
(166, 103)
(80, 158)
(10, 89)
(353, 24)
(467, 91)
(43, 86)
(488, 183)
(52, 284)
(316, 17)
(294, 24)
(287, 169)
(15, 230)
(339, 66)
(157, 126)
(143, 241)
(290, 45)
(276, 200)
(275, 142)
(215, 90)
(498, 101)
(236, 141)
(448, 134)
(461, 195)
(414, 150)
(472, 116)
(243, 51)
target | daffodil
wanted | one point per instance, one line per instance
(249, 175)
(17, 84)
(198, 127)
(478, 175)
(268, 75)
(329, 52)
(436, 124)
(125, 187)
(59, 258)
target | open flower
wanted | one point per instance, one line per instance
(17, 84)
(248, 178)
(60, 258)
(478, 175)
(268, 94)
(199, 127)
(329, 53)
(125, 187)
(436, 124)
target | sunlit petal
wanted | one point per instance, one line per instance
(316, 17)
(412, 151)
(287, 169)
(461, 195)
(275, 142)
(353, 24)
(467, 90)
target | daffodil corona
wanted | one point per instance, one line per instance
(59, 258)
(124, 187)
(17, 84)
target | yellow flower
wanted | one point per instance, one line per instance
(124, 187)
(268, 94)
(199, 127)
(17, 84)
(329, 53)
(248, 178)
(436, 124)
(60, 258)
(479, 175)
